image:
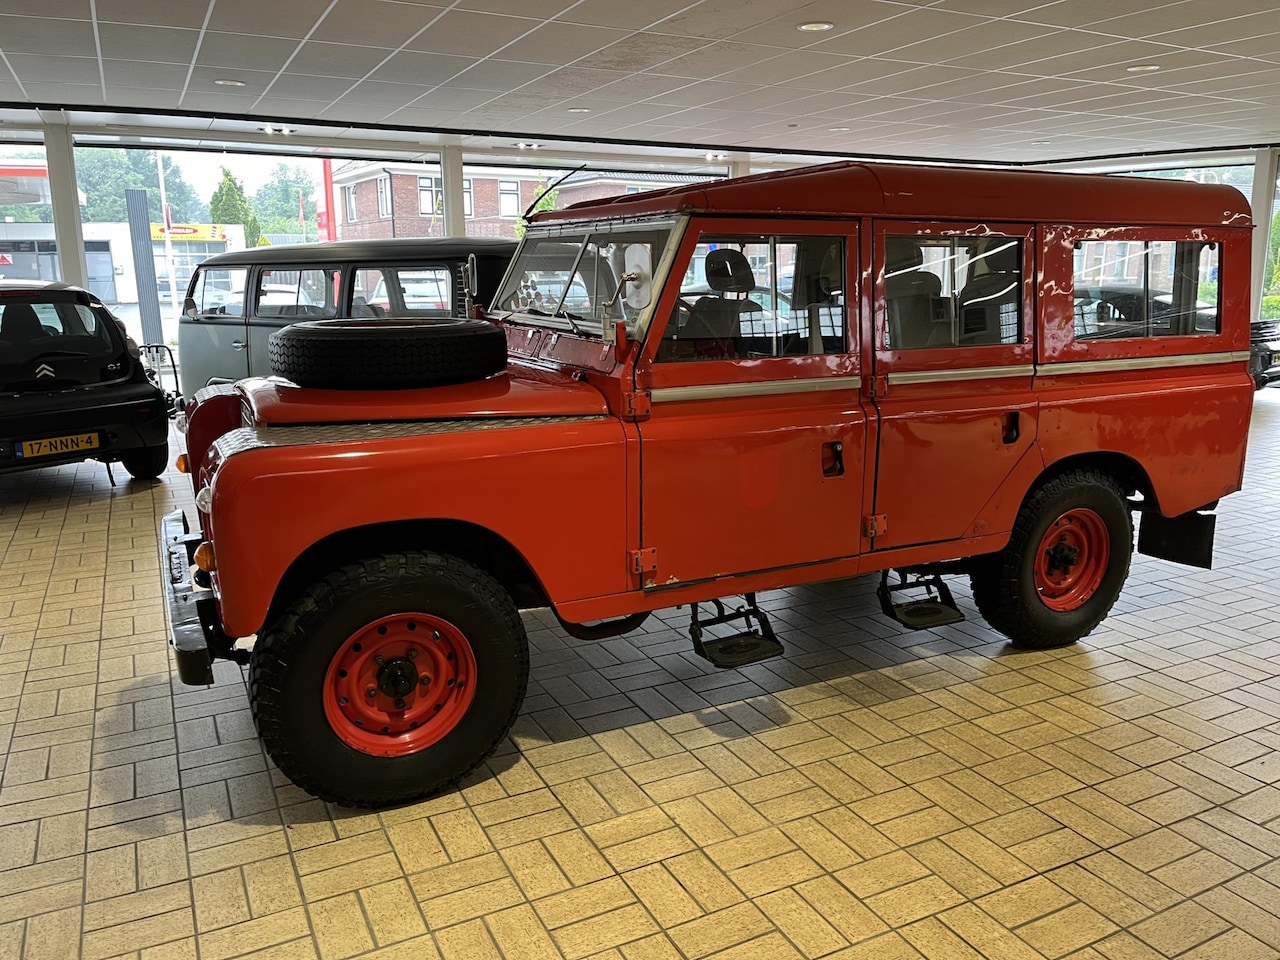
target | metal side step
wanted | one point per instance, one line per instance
(936, 609)
(751, 645)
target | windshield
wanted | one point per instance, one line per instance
(586, 279)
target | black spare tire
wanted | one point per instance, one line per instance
(387, 354)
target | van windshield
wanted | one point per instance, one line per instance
(586, 279)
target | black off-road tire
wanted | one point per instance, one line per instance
(387, 354)
(1003, 583)
(288, 668)
(146, 463)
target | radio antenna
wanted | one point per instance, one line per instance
(538, 198)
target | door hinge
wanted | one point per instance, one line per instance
(644, 560)
(875, 525)
(638, 404)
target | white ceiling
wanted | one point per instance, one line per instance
(985, 80)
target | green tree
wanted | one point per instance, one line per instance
(546, 202)
(1272, 270)
(229, 205)
(277, 200)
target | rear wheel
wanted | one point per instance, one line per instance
(390, 679)
(1064, 565)
(146, 463)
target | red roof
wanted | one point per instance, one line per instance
(850, 189)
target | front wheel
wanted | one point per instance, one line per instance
(390, 679)
(1064, 565)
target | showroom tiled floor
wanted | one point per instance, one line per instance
(872, 795)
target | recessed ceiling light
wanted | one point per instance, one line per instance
(528, 146)
(1038, 143)
(837, 129)
(716, 156)
(226, 82)
(815, 26)
(579, 109)
(268, 129)
(1143, 68)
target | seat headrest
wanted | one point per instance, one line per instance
(1002, 257)
(902, 254)
(20, 322)
(728, 271)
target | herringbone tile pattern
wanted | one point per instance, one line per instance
(875, 794)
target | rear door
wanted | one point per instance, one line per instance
(953, 361)
(213, 345)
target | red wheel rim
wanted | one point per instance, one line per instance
(375, 697)
(1072, 559)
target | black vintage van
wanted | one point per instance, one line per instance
(237, 300)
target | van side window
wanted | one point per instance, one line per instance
(297, 294)
(219, 292)
(744, 298)
(1145, 288)
(402, 292)
(952, 291)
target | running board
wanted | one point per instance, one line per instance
(740, 649)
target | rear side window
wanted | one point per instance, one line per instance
(297, 294)
(402, 292)
(1127, 289)
(952, 291)
(219, 292)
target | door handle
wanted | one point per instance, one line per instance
(833, 459)
(1010, 432)
(237, 344)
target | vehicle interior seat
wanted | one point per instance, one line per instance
(910, 294)
(988, 304)
(715, 322)
(19, 323)
(360, 307)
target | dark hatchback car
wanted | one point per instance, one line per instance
(72, 385)
(1264, 352)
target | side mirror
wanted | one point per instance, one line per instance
(189, 308)
(636, 261)
(471, 276)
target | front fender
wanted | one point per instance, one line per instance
(554, 488)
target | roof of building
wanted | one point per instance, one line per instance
(850, 189)
(368, 251)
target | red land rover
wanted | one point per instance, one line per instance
(646, 417)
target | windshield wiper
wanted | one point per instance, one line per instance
(573, 319)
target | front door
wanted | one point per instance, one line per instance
(953, 365)
(213, 345)
(751, 456)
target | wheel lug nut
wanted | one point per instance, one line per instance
(378, 660)
(413, 653)
(424, 680)
(371, 692)
(399, 704)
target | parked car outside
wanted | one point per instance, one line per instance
(73, 384)
(236, 300)
(1264, 352)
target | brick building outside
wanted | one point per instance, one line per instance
(380, 200)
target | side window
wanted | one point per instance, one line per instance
(1127, 289)
(297, 294)
(369, 293)
(749, 297)
(414, 291)
(220, 292)
(952, 291)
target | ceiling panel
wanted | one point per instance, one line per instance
(962, 79)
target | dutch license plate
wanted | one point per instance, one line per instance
(51, 446)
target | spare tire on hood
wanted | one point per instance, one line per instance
(387, 354)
